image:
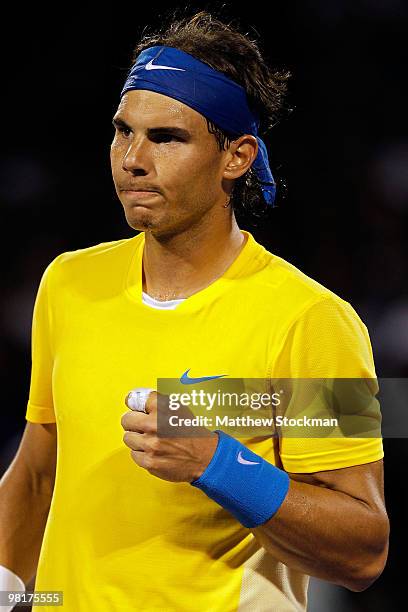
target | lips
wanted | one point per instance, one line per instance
(138, 189)
(134, 195)
(141, 191)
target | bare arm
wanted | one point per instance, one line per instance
(25, 496)
(332, 525)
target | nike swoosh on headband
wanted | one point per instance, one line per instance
(240, 459)
(151, 66)
(185, 379)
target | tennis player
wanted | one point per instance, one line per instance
(108, 511)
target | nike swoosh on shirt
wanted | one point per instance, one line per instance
(151, 66)
(185, 379)
(240, 459)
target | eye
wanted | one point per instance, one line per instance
(164, 138)
(124, 130)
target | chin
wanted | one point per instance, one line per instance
(140, 219)
(141, 225)
(161, 226)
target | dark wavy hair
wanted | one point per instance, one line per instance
(223, 47)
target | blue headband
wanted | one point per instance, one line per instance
(183, 77)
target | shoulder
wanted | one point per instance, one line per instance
(97, 253)
(321, 334)
(93, 260)
(295, 295)
(292, 282)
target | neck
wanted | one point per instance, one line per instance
(181, 264)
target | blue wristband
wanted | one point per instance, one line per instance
(242, 482)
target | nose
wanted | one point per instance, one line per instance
(135, 159)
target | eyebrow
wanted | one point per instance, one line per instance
(175, 131)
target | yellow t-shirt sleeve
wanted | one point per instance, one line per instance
(328, 340)
(40, 407)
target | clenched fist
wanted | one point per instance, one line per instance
(181, 459)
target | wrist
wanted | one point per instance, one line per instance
(9, 581)
(208, 448)
(243, 483)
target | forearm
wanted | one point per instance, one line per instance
(24, 506)
(327, 534)
(331, 524)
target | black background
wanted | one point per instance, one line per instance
(342, 152)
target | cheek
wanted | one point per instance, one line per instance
(173, 167)
(115, 155)
(178, 168)
(114, 145)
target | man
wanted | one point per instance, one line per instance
(182, 524)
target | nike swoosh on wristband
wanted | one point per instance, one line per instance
(151, 66)
(240, 459)
(185, 379)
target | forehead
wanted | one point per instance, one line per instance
(144, 107)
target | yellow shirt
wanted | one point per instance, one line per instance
(118, 538)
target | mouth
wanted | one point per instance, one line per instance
(139, 195)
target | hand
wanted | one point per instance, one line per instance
(181, 459)
(9, 581)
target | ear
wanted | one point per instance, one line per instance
(241, 154)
